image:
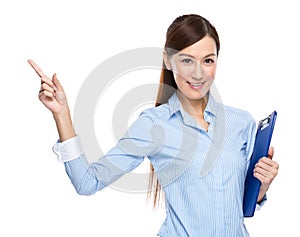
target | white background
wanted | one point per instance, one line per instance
(258, 71)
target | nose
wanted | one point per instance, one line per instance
(198, 72)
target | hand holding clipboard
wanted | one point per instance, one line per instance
(261, 147)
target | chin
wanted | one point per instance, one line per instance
(198, 94)
(195, 95)
(200, 97)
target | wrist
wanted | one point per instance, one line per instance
(62, 114)
(64, 124)
(262, 193)
(264, 188)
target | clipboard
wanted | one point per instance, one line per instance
(261, 147)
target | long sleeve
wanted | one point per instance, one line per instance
(88, 178)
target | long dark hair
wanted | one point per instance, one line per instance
(184, 31)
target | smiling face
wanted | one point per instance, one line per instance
(194, 68)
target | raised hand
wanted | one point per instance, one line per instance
(51, 94)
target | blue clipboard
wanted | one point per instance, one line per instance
(261, 147)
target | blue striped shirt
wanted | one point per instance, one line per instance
(202, 173)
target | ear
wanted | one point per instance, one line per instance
(167, 61)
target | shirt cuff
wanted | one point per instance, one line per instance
(261, 203)
(68, 150)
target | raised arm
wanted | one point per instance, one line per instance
(86, 177)
(52, 95)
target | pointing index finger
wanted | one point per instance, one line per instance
(36, 68)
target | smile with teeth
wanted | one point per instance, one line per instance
(195, 85)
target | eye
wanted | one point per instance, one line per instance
(209, 61)
(187, 61)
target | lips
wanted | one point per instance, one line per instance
(194, 85)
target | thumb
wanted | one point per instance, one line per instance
(271, 152)
(57, 83)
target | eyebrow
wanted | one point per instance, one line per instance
(191, 56)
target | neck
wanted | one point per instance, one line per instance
(194, 107)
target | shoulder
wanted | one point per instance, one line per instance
(161, 112)
(239, 124)
(238, 115)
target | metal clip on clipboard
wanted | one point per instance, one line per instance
(261, 147)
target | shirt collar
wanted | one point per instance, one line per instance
(175, 105)
(211, 106)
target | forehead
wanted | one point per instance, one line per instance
(201, 48)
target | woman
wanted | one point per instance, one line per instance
(199, 149)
